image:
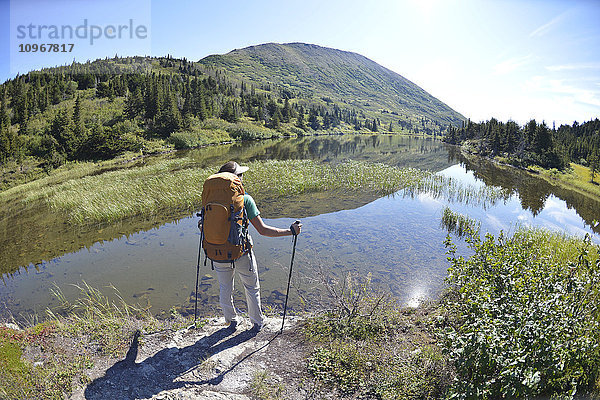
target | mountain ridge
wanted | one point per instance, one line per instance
(350, 77)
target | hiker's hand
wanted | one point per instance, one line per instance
(200, 224)
(296, 227)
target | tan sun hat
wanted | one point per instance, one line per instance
(233, 167)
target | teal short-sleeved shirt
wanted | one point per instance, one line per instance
(250, 207)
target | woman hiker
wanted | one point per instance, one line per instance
(246, 266)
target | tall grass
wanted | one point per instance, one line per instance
(120, 194)
(75, 334)
(459, 224)
(197, 138)
(66, 172)
(304, 176)
(92, 306)
(110, 322)
(177, 185)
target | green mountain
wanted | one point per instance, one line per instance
(101, 109)
(316, 72)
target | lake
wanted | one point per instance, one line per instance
(397, 240)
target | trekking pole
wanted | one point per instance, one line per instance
(197, 275)
(287, 292)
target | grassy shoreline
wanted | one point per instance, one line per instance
(512, 314)
(213, 132)
(577, 177)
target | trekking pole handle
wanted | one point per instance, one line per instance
(296, 222)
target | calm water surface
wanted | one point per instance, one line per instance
(397, 239)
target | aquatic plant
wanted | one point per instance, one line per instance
(459, 224)
(176, 185)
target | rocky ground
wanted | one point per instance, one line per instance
(211, 362)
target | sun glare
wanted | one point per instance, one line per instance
(425, 7)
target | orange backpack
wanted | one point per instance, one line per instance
(225, 222)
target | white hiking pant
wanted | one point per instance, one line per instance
(225, 272)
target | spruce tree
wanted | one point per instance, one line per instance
(286, 112)
(374, 126)
(202, 109)
(134, 104)
(4, 143)
(77, 111)
(5, 136)
(542, 139)
(61, 131)
(313, 120)
(43, 102)
(300, 120)
(78, 127)
(4, 116)
(276, 119)
(594, 164)
(229, 113)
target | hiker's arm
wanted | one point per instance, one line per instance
(271, 231)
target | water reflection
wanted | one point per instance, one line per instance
(554, 214)
(32, 234)
(396, 238)
(394, 150)
(532, 192)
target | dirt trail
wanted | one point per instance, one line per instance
(212, 362)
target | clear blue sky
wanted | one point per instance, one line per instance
(504, 59)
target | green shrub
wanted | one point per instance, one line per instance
(366, 347)
(187, 140)
(297, 131)
(104, 142)
(216, 124)
(198, 137)
(247, 131)
(526, 316)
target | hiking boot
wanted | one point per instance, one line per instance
(231, 325)
(256, 327)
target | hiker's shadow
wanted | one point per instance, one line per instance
(130, 380)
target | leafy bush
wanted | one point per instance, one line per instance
(198, 137)
(216, 124)
(187, 140)
(105, 142)
(246, 131)
(525, 316)
(297, 131)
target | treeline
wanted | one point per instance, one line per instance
(532, 143)
(580, 143)
(101, 109)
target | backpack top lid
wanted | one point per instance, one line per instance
(223, 188)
